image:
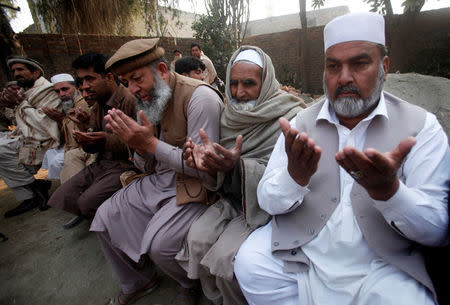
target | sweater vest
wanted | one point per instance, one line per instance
(174, 128)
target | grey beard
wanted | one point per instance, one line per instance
(242, 106)
(67, 105)
(155, 108)
(350, 107)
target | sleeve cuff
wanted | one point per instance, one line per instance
(397, 205)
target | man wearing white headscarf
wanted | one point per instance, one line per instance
(22, 151)
(63, 163)
(249, 129)
(355, 183)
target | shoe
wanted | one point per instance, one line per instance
(186, 296)
(25, 206)
(129, 299)
(73, 222)
(40, 188)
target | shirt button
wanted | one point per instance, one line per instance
(334, 199)
(276, 244)
(322, 216)
(296, 242)
(293, 252)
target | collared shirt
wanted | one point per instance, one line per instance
(340, 254)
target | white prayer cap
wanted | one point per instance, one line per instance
(353, 27)
(249, 55)
(63, 77)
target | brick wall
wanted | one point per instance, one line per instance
(56, 51)
(415, 45)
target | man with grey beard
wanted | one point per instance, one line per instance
(249, 130)
(144, 224)
(355, 183)
(64, 162)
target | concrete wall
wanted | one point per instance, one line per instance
(417, 45)
(292, 21)
(56, 52)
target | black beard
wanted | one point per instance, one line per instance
(26, 83)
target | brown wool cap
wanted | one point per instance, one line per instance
(134, 54)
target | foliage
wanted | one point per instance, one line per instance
(221, 30)
(108, 17)
(10, 8)
(383, 6)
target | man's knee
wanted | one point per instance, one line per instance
(87, 205)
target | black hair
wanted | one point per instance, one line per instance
(94, 60)
(187, 64)
(383, 50)
(176, 51)
(196, 45)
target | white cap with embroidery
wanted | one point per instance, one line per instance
(63, 77)
(249, 55)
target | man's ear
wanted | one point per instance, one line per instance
(36, 74)
(162, 71)
(109, 77)
(386, 66)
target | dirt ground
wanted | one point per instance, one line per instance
(42, 263)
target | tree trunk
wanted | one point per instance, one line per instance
(8, 44)
(303, 46)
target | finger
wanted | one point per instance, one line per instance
(204, 137)
(145, 121)
(396, 156)
(290, 137)
(284, 124)
(238, 144)
(308, 148)
(358, 161)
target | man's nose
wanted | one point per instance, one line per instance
(345, 76)
(240, 92)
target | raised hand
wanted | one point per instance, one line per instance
(139, 137)
(303, 155)
(78, 116)
(375, 171)
(89, 138)
(10, 97)
(212, 157)
(54, 114)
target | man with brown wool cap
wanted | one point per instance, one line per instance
(145, 223)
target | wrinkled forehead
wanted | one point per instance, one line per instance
(246, 69)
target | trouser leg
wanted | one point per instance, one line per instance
(231, 292)
(173, 223)
(132, 276)
(16, 176)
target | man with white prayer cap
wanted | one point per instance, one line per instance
(355, 184)
(249, 130)
(63, 163)
(22, 151)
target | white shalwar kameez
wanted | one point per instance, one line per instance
(343, 269)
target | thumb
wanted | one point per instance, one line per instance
(402, 149)
(144, 120)
(204, 136)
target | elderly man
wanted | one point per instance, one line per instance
(251, 117)
(355, 183)
(191, 66)
(71, 159)
(84, 192)
(210, 72)
(144, 224)
(22, 151)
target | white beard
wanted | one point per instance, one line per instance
(242, 106)
(155, 108)
(350, 107)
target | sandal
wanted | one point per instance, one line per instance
(128, 299)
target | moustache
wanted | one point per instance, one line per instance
(348, 88)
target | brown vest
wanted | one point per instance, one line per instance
(174, 128)
(294, 229)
